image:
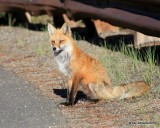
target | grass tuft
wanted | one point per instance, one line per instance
(139, 62)
(11, 20)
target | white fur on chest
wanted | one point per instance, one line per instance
(63, 60)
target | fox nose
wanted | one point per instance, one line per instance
(54, 48)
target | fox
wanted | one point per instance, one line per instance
(83, 70)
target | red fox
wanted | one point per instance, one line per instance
(84, 70)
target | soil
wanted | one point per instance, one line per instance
(27, 53)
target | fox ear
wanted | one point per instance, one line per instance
(51, 29)
(66, 29)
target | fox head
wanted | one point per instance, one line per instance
(60, 38)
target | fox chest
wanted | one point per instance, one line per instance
(63, 61)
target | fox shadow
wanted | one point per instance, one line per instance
(63, 94)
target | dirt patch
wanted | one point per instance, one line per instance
(27, 53)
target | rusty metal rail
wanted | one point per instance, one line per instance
(139, 15)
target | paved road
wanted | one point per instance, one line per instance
(21, 106)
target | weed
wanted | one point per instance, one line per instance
(11, 20)
(151, 61)
(147, 77)
(107, 45)
(133, 53)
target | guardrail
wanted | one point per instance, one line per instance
(139, 15)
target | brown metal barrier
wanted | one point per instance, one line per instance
(139, 15)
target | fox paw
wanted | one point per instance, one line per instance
(64, 104)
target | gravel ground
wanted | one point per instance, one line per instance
(27, 54)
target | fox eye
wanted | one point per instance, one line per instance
(61, 41)
(52, 41)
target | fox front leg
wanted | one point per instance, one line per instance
(73, 91)
(69, 87)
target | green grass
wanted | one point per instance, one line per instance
(11, 20)
(127, 64)
(148, 57)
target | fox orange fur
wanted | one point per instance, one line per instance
(84, 70)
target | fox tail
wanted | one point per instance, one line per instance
(134, 89)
